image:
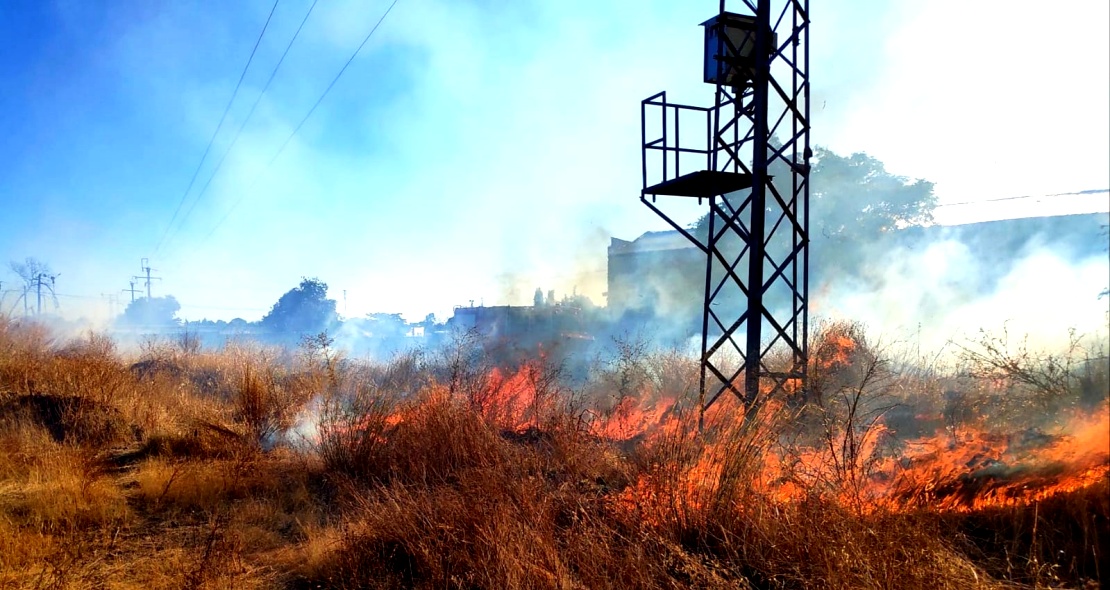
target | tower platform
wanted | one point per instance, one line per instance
(702, 184)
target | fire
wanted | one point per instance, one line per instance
(833, 349)
(742, 451)
(630, 418)
(977, 469)
(973, 471)
(512, 401)
(970, 471)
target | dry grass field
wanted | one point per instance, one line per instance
(249, 467)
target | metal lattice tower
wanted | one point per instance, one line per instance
(748, 157)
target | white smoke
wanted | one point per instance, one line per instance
(931, 296)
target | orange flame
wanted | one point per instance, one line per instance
(976, 469)
(973, 470)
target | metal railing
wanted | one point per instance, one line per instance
(669, 145)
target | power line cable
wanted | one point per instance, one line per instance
(218, 127)
(70, 296)
(1086, 192)
(299, 125)
(238, 132)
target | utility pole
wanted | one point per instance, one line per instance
(146, 269)
(113, 299)
(132, 291)
(39, 282)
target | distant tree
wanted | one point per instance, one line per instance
(27, 271)
(855, 206)
(151, 312)
(303, 309)
(386, 325)
(29, 268)
(855, 195)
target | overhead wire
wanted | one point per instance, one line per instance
(70, 296)
(219, 126)
(284, 144)
(1022, 197)
(250, 113)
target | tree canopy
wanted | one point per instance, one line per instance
(854, 204)
(855, 195)
(152, 312)
(27, 271)
(303, 309)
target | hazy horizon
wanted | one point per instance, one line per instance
(472, 151)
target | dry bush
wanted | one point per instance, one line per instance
(351, 423)
(68, 520)
(352, 431)
(817, 544)
(438, 437)
(74, 420)
(22, 551)
(404, 374)
(693, 477)
(22, 443)
(419, 537)
(227, 517)
(714, 495)
(242, 392)
(74, 391)
(263, 403)
(61, 489)
(186, 486)
(491, 532)
(202, 442)
(25, 351)
(849, 398)
(1058, 542)
(633, 369)
(462, 364)
(1037, 384)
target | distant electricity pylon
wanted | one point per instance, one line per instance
(756, 234)
(146, 269)
(132, 291)
(113, 300)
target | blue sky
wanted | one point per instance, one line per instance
(474, 149)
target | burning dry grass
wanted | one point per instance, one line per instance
(256, 468)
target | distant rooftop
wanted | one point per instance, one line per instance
(998, 209)
(651, 241)
(654, 241)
